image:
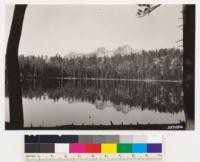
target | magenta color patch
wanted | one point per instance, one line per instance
(77, 148)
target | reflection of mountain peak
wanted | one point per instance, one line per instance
(167, 99)
(99, 105)
(123, 108)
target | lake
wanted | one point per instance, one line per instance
(51, 103)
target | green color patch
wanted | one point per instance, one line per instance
(124, 148)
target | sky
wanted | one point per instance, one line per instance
(51, 29)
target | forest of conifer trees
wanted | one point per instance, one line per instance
(163, 64)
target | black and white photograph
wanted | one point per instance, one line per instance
(100, 67)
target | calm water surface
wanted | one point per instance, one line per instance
(55, 102)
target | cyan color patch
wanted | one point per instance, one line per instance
(139, 148)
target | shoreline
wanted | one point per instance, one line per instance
(109, 79)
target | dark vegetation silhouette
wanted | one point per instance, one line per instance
(188, 53)
(92, 70)
(163, 64)
(124, 95)
(12, 68)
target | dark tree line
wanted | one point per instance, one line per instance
(123, 95)
(13, 74)
(163, 64)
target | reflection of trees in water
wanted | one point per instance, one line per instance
(122, 95)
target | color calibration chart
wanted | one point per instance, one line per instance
(57, 148)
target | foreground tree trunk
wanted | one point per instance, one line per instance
(189, 59)
(188, 56)
(12, 68)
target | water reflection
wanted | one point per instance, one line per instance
(157, 96)
(90, 102)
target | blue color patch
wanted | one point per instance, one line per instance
(139, 148)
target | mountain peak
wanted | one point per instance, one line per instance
(101, 52)
(124, 50)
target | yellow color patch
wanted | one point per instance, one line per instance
(108, 148)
